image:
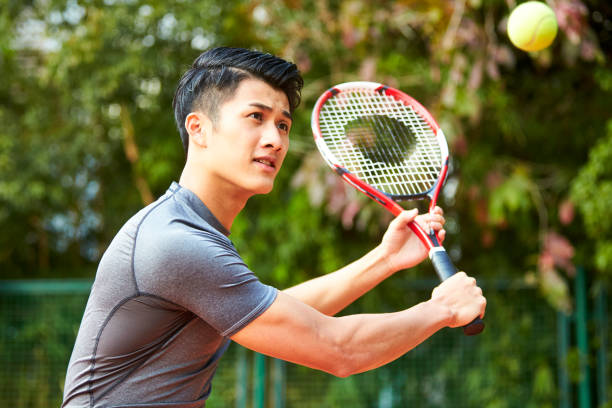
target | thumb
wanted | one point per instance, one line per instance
(407, 216)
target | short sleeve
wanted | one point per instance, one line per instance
(201, 271)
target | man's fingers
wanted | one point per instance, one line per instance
(483, 306)
(436, 225)
(407, 216)
(462, 293)
(437, 210)
(432, 220)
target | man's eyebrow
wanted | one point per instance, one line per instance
(267, 108)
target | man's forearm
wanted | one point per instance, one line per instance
(376, 340)
(331, 293)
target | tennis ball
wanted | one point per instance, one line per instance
(532, 26)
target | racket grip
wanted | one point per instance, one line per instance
(442, 263)
(445, 269)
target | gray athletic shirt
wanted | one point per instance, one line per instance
(169, 291)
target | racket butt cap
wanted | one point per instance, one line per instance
(476, 327)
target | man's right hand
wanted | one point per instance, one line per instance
(463, 297)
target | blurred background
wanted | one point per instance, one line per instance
(87, 138)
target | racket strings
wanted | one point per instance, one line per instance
(382, 141)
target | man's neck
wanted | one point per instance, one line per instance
(222, 201)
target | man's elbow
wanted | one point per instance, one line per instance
(343, 364)
(342, 371)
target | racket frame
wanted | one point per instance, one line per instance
(387, 200)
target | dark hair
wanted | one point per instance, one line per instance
(215, 75)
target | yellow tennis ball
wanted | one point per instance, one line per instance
(532, 26)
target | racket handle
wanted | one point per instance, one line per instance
(445, 269)
(442, 263)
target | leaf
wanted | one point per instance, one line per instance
(511, 197)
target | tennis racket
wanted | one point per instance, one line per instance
(388, 146)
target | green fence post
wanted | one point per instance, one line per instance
(259, 381)
(242, 378)
(563, 340)
(584, 393)
(279, 383)
(601, 317)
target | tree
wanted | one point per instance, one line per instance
(92, 83)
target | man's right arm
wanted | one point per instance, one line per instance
(293, 331)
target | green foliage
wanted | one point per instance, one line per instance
(511, 197)
(91, 89)
(592, 193)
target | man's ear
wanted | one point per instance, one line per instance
(198, 126)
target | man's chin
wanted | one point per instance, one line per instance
(265, 190)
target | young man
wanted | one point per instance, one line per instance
(171, 290)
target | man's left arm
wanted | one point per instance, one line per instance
(399, 249)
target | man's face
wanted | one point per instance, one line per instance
(248, 143)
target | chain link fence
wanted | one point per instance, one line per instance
(525, 358)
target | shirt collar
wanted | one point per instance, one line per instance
(198, 206)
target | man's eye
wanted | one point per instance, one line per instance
(284, 127)
(256, 115)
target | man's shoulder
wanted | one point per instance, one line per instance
(168, 236)
(171, 221)
(171, 232)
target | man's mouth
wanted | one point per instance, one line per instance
(267, 162)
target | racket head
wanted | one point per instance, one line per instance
(383, 137)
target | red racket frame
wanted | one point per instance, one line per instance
(380, 197)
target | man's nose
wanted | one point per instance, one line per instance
(272, 137)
